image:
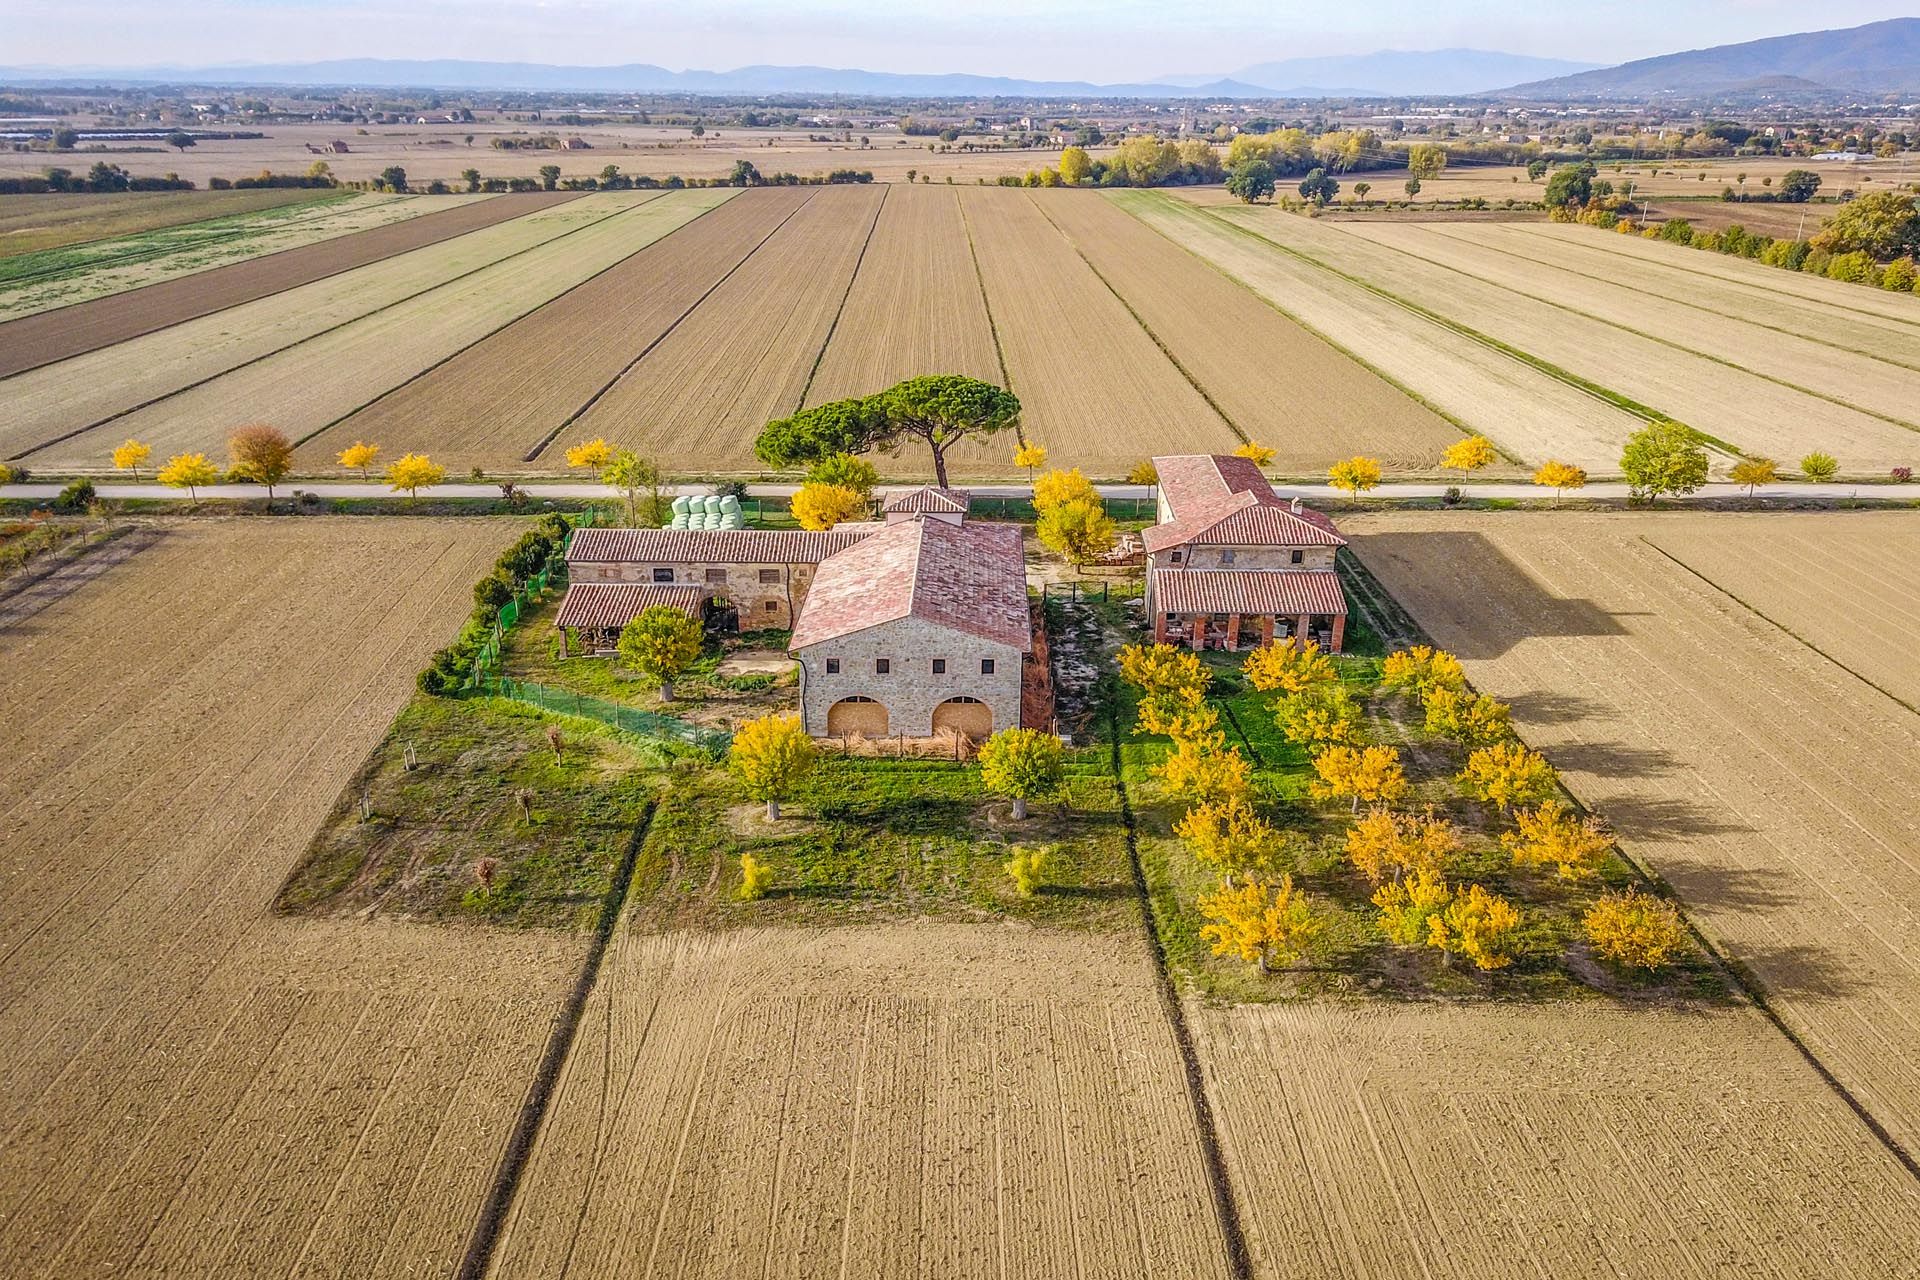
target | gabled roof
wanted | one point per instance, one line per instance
(711, 546)
(1194, 479)
(929, 499)
(967, 577)
(1251, 591)
(615, 604)
(1244, 519)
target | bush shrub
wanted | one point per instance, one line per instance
(534, 548)
(77, 496)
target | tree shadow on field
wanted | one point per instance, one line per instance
(1612, 759)
(1667, 817)
(1554, 708)
(1474, 600)
(1799, 970)
(1727, 888)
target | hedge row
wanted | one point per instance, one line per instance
(450, 667)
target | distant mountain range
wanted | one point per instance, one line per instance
(1881, 57)
(1385, 74)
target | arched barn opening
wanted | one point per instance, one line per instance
(968, 717)
(857, 716)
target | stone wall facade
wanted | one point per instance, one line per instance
(911, 689)
(766, 595)
(1242, 557)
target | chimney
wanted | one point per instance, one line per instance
(1296, 506)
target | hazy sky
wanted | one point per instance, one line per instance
(1106, 42)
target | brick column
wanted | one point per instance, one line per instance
(1339, 630)
(1159, 627)
(1301, 626)
(1233, 633)
(1199, 630)
(1266, 629)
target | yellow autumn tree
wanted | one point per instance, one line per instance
(1021, 764)
(1753, 472)
(1507, 775)
(189, 471)
(1229, 836)
(1470, 455)
(414, 472)
(1080, 531)
(1144, 472)
(1385, 845)
(1172, 683)
(1030, 458)
(591, 455)
(1355, 475)
(1322, 715)
(1421, 667)
(359, 457)
(1256, 453)
(1551, 836)
(1265, 925)
(755, 877)
(1288, 668)
(1059, 487)
(661, 642)
(822, 506)
(1408, 906)
(1636, 930)
(1364, 775)
(1560, 477)
(769, 755)
(1479, 925)
(1202, 773)
(131, 456)
(1471, 719)
(1027, 868)
(260, 453)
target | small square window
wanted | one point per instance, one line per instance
(1177, 556)
(717, 576)
(769, 575)
(662, 573)
(771, 606)
(939, 666)
(833, 666)
(1297, 557)
(986, 666)
(882, 666)
(1226, 555)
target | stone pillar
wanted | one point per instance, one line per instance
(1266, 629)
(1233, 633)
(1301, 626)
(1339, 630)
(1199, 631)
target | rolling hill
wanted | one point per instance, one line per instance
(1881, 57)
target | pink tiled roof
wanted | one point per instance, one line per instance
(1193, 479)
(1244, 519)
(968, 577)
(927, 498)
(615, 604)
(1284, 592)
(710, 546)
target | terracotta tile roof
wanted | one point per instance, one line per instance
(710, 546)
(615, 604)
(1244, 519)
(1280, 591)
(968, 577)
(1194, 479)
(929, 498)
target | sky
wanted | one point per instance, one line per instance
(1110, 41)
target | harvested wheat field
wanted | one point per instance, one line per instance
(1529, 413)
(54, 335)
(744, 356)
(1432, 1141)
(1273, 380)
(506, 397)
(197, 1088)
(49, 220)
(1711, 716)
(891, 1100)
(62, 399)
(1748, 406)
(303, 389)
(1093, 386)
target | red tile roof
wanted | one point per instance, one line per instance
(710, 546)
(1244, 519)
(1192, 479)
(968, 577)
(929, 498)
(1286, 592)
(615, 604)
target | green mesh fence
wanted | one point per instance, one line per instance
(646, 724)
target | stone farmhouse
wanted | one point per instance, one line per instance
(1232, 565)
(920, 629)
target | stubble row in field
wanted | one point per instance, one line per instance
(744, 356)
(313, 384)
(1274, 381)
(1766, 782)
(1749, 410)
(62, 399)
(200, 1088)
(883, 1100)
(42, 338)
(30, 223)
(1526, 411)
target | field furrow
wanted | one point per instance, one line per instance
(1526, 411)
(60, 399)
(1279, 384)
(42, 338)
(744, 355)
(1093, 386)
(302, 390)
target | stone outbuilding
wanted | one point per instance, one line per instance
(919, 629)
(763, 574)
(1233, 565)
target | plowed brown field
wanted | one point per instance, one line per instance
(1439, 1143)
(892, 1100)
(1093, 386)
(1693, 687)
(744, 355)
(195, 1087)
(54, 335)
(1279, 384)
(502, 398)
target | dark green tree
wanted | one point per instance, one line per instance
(1570, 184)
(937, 409)
(180, 140)
(1319, 187)
(393, 178)
(1251, 181)
(1798, 185)
(1663, 457)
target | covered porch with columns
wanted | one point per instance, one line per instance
(1244, 609)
